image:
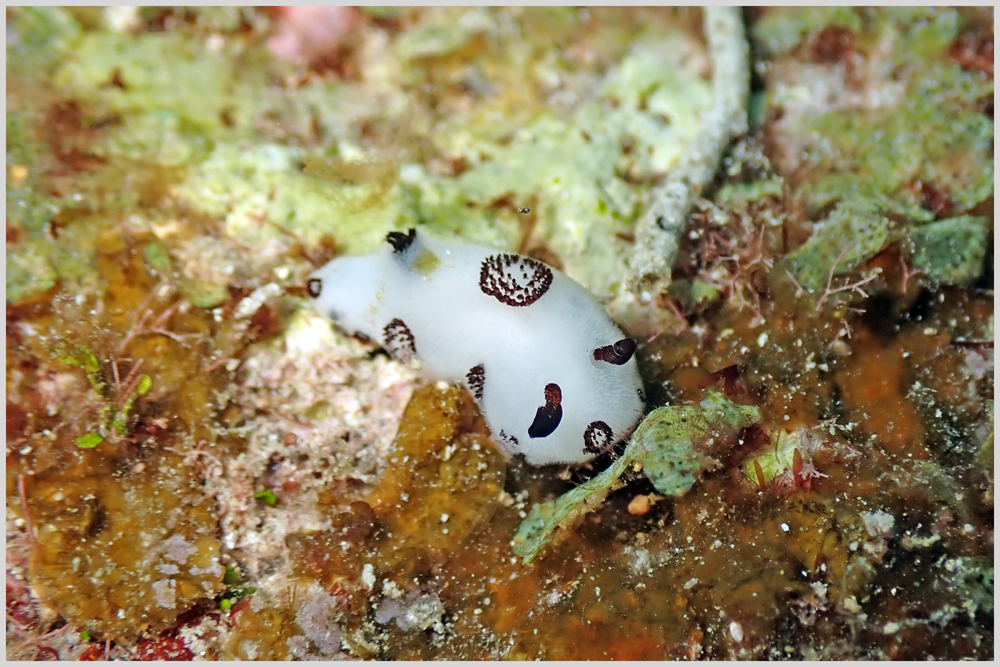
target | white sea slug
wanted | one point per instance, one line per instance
(556, 379)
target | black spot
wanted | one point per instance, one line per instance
(524, 210)
(314, 286)
(400, 241)
(598, 438)
(513, 279)
(476, 376)
(548, 416)
(509, 438)
(642, 395)
(399, 340)
(617, 353)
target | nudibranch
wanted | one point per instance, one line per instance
(555, 378)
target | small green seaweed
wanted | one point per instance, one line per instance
(231, 579)
(267, 497)
(89, 440)
(672, 446)
(86, 360)
(117, 402)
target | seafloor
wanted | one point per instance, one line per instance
(198, 466)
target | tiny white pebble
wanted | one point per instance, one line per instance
(368, 575)
(690, 583)
(853, 546)
(736, 630)
(444, 518)
(762, 339)
(968, 528)
(785, 527)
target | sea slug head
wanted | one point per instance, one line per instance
(350, 291)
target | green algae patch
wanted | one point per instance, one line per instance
(150, 68)
(573, 169)
(672, 446)
(733, 193)
(38, 37)
(928, 125)
(951, 251)
(781, 29)
(29, 271)
(263, 195)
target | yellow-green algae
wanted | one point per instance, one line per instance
(887, 556)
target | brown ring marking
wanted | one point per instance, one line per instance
(514, 280)
(617, 353)
(476, 377)
(548, 416)
(399, 340)
(598, 438)
(314, 286)
(400, 241)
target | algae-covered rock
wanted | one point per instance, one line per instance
(951, 251)
(444, 477)
(121, 555)
(672, 446)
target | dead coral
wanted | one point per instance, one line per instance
(658, 229)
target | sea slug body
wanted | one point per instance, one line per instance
(556, 379)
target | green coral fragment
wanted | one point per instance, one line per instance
(673, 446)
(951, 251)
(674, 443)
(536, 530)
(855, 231)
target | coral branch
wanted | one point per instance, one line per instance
(658, 231)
